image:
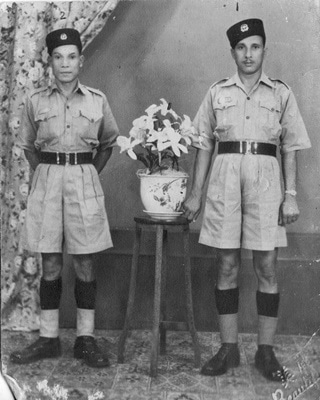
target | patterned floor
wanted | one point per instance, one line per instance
(68, 379)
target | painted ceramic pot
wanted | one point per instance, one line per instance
(163, 194)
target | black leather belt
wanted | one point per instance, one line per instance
(47, 157)
(248, 147)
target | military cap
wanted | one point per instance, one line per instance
(244, 29)
(62, 37)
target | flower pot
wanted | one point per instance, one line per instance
(162, 194)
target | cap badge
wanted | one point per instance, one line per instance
(244, 28)
(63, 36)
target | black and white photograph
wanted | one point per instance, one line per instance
(160, 200)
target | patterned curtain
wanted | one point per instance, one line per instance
(24, 66)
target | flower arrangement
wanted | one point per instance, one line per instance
(159, 138)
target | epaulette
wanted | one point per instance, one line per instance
(279, 80)
(39, 90)
(93, 90)
(217, 83)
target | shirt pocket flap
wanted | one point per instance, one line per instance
(223, 103)
(44, 114)
(89, 115)
(270, 105)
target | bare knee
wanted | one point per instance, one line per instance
(83, 266)
(51, 266)
(265, 263)
(229, 263)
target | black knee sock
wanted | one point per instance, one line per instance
(227, 301)
(268, 304)
(85, 294)
(50, 294)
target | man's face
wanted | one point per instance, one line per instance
(249, 54)
(66, 62)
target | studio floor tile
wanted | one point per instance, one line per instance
(177, 379)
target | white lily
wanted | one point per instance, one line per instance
(153, 109)
(164, 109)
(127, 145)
(145, 122)
(155, 136)
(186, 126)
(189, 132)
(159, 134)
(172, 140)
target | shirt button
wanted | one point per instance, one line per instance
(68, 107)
(247, 117)
(68, 126)
(248, 98)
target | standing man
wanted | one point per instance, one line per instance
(62, 125)
(249, 115)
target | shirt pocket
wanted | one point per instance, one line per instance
(86, 123)
(269, 113)
(47, 121)
(226, 112)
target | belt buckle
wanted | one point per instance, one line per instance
(67, 158)
(248, 147)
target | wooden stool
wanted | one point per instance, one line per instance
(160, 325)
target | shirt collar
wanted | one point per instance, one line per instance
(81, 89)
(235, 80)
(264, 79)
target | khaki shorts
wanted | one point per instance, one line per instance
(242, 204)
(66, 207)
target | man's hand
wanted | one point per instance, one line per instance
(289, 211)
(33, 158)
(191, 207)
(101, 158)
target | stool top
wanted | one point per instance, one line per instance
(152, 221)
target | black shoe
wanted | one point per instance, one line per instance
(43, 348)
(227, 357)
(268, 365)
(86, 347)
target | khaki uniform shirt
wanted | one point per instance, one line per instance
(268, 114)
(50, 122)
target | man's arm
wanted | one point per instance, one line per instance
(289, 211)
(192, 205)
(101, 158)
(33, 158)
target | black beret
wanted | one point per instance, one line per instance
(62, 37)
(244, 29)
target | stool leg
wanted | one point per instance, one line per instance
(157, 302)
(188, 287)
(132, 290)
(163, 331)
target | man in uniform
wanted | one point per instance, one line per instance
(249, 115)
(62, 127)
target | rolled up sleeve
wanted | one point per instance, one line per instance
(28, 128)
(294, 135)
(205, 124)
(108, 131)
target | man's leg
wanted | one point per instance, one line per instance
(85, 294)
(227, 301)
(48, 344)
(267, 298)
